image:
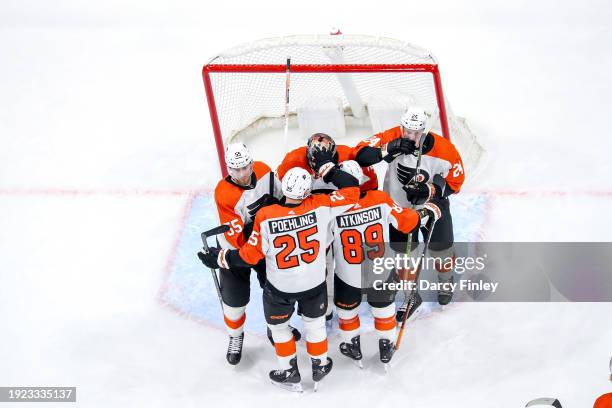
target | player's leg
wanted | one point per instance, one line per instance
(384, 323)
(347, 300)
(278, 311)
(235, 293)
(313, 309)
(442, 250)
(260, 269)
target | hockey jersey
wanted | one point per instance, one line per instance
(237, 205)
(297, 158)
(293, 239)
(443, 160)
(362, 231)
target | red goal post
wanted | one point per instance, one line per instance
(246, 84)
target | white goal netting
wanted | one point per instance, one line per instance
(357, 80)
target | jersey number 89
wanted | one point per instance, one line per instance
(353, 242)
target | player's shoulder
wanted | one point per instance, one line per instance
(226, 192)
(374, 197)
(260, 169)
(296, 155)
(443, 148)
(394, 131)
(270, 212)
(295, 158)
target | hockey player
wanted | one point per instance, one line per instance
(319, 156)
(249, 186)
(304, 158)
(441, 174)
(360, 233)
(292, 237)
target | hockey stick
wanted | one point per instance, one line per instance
(414, 288)
(408, 250)
(287, 84)
(547, 402)
(221, 229)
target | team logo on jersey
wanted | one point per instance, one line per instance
(405, 174)
(256, 205)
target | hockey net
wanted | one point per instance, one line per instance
(370, 81)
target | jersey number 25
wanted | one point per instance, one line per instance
(285, 258)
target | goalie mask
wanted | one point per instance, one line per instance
(239, 163)
(322, 141)
(297, 183)
(414, 123)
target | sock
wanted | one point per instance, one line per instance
(284, 344)
(384, 321)
(234, 318)
(316, 338)
(348, 321)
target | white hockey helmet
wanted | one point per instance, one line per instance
(297, 183)
(415, 119)
(354, 169)
(237, 156)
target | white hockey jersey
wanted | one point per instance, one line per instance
(237, 205)
(293, 239)
(443, 160)
(363, 230)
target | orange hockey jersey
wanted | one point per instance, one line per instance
(443, 159)
(293, 239)
(236, 205)
(297, 158)
(363, 230)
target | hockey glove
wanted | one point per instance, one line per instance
(323, 160)
(214, 258)
(401, 145)
(429, 214)
(419, 193)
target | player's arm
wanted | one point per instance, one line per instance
(247, 256)
(330, 171)
(456, 175)
(440, 187)
(235, 237)
(385, 145)
(338, 201)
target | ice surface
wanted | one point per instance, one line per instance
(107, 162)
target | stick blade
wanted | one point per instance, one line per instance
(544, 402)
(221, 229)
